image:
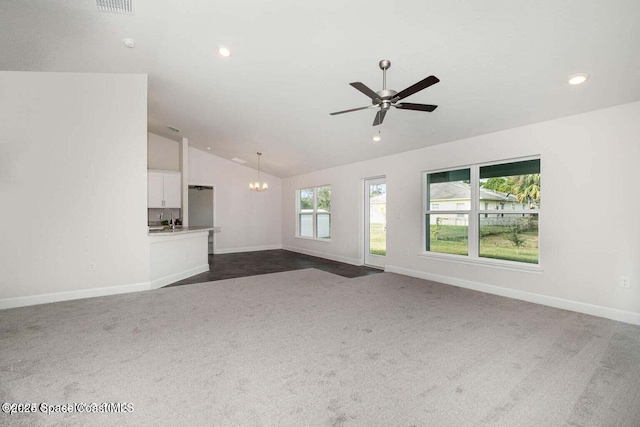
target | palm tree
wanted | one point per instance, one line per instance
(527, 189)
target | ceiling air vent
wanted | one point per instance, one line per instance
(115, 6)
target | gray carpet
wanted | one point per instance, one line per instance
(311, 348)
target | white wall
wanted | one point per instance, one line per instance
(587, 160)
(249, 220)
(162, 153)
(72, 184)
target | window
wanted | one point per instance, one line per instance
(448, 228)
(314, 212)
(472, 221)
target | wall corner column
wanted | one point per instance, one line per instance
(184, 168)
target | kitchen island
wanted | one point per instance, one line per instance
(178, 254)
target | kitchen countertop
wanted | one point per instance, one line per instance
(181, 230)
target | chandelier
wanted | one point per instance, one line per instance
(258, 186)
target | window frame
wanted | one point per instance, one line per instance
(473, 241)
(440, 211)
(314, 213)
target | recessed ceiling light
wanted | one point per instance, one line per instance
(224, 51)
(578, 79)
(130, 43)
(377, 138)
(209, 148)
(237, 160)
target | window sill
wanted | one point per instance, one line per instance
(485, 262)
(313, 239)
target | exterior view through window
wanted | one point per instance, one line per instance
(488, 211)
(509, 226)
(375, 221)
(450, 200)
(314, 212)
(377, 218)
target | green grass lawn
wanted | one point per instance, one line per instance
(377, 239)
(452, 239)
(499, 246)
(449, 247)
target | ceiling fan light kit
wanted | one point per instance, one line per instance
(387, 98)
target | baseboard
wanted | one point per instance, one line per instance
(346, 260)
(580, 307)
(247, 249)
(163, 281)
(71, 295)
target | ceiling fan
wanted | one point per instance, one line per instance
(387, 98)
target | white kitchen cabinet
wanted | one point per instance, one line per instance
(155, 190)
(163, 189)
(172, 192)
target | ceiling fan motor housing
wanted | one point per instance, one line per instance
(385, 95)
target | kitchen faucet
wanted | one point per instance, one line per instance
(172, 223)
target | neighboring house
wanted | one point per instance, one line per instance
(378, 209)
(306, 223)
(456, 196)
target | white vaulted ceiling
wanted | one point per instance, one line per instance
(502, 64)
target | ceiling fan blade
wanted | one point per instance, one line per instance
(422, 84)
(364, 89)
(353, 109)
(379, 117)
(416, 107)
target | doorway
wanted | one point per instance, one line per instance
(201, 209)
(375, 222)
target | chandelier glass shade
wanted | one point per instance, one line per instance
(258, 185)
